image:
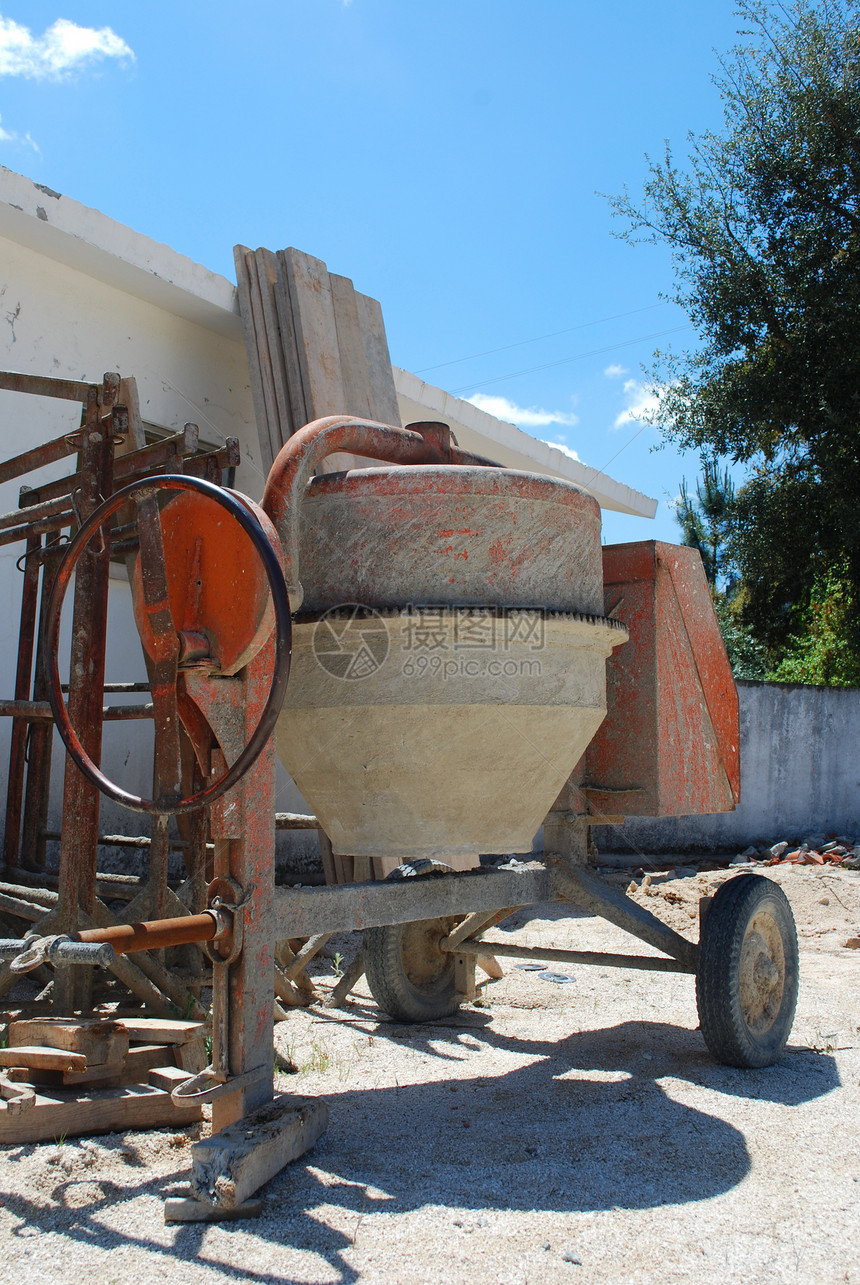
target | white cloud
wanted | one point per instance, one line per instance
(565, 450)
(614, 372)
(7, 137)
(62, 48)
(524, 417)
(643, 400)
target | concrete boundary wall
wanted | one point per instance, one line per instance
(800, 775)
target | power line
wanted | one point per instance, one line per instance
(584, 325)
(595, 352)
(595, 472)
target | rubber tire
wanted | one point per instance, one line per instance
(412, 998)
(746, 1020)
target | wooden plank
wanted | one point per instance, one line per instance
(74, 1114)
(191, 1057)
(358, 395)
(347, 867)
(132, 976)
(143, 1059)
(17, 1097)
(291, 995)
(129, 397)
(161, 1030)
(233, 1164)
(18, 1074)
(266, 268)
(287, 325)
(264, 358)
(329, 865)
(491, 966)
(99, 1041)
(257, 351)
(362, 869)
(167, 1077)
(43, 1059)
(311, 948)
(383, 392)
(316, 333)
(350, 978)
(464, 977)
(184, 1209)
(108, 1076)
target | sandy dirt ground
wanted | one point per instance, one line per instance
(557, 1131)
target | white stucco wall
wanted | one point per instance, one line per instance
(58, 320)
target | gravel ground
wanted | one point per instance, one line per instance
(556, 1132)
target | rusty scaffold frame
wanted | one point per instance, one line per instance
(72, 894)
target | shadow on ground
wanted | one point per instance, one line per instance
(587, 1124)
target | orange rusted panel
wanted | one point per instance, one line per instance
(216, 582)
(669, 743)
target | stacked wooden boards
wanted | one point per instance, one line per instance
(315, 347)
(72, 1077)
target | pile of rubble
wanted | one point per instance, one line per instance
(817, 850)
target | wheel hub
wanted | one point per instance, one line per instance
(762, 973)
(423, 959)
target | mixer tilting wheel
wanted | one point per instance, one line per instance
(747, 974)
(207, 595)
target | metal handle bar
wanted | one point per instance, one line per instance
(12, 947)
(57, 950)
(81, 952)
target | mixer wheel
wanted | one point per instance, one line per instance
(747, 976)
(409, 976)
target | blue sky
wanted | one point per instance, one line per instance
(447, 156)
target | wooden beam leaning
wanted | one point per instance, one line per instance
(307, 279)
(266, 346)
(383, 393)
(358, 395)
(265, 264)
(287, 325)
(257, 350)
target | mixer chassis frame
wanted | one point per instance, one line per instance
(481, 894)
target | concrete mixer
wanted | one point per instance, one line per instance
(450, 624)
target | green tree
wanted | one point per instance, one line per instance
(705, 521)
(763, 222)
(821, 653)
(705, 524)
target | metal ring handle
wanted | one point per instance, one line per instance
(252, 527)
